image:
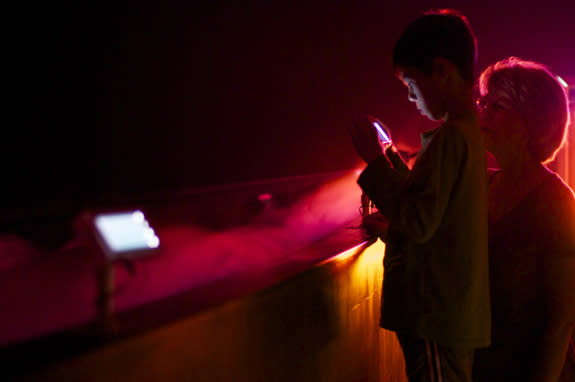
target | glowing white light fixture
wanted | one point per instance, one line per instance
(125, 234)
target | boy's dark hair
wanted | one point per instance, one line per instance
(437, 33)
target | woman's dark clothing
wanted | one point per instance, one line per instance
(523, 245)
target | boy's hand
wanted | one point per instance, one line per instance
(365, 138)
(397, 161)
(375, 225)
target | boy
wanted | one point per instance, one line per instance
(435, 293)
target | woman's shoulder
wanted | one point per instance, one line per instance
(555, 188)
(555, 202)
(491, 173)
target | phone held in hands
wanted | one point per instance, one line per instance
(383, 136)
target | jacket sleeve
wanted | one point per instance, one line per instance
(415, 202)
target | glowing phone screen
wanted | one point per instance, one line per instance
(382, 134)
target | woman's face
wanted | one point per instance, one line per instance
(502, 124)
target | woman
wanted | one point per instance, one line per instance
(524, 114)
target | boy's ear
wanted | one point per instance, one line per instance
(442, 67)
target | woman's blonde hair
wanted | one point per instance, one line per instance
(538, 95)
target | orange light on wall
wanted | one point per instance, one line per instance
(570, 149)
(564, 163)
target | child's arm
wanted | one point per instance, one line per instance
(397, 161)
(375, 225)
(416, 203)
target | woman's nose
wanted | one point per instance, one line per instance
(484, 113)
(411, 96)
(484, 119)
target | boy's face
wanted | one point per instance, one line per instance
(423, 91)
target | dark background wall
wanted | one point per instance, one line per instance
(131, 96)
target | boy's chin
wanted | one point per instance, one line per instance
(435, 117)
(425, 113)
(432, 117)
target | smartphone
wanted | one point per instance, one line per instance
(383, 137)
(123, 234)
